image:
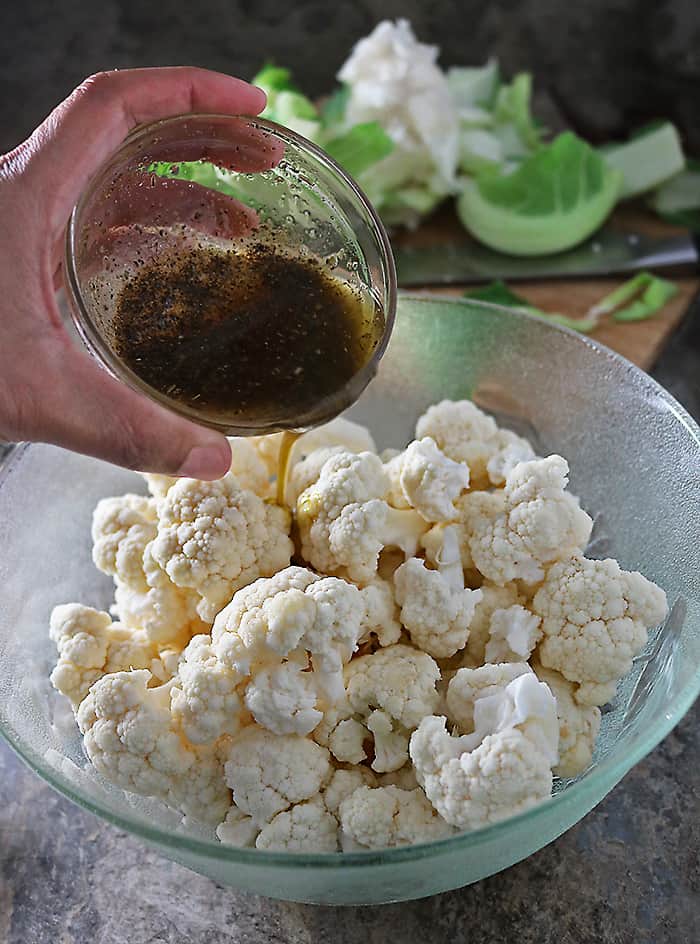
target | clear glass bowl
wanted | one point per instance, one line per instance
(230, 183)
(635, 461)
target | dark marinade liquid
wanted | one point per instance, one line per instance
(254, 335)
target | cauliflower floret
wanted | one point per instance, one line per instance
(467, 686)
(395, 80)
(493, 598)
(436, 608)
(268, 772)
(390, 742)
(238, 829)
(216, 537)
(398, 679)
(531, 523)
(503, 767)
(424, 478)
(344, 521)
(381, 614)
(282, 698)
(201, 793)
(472, 788)
(304, 473)
(513, 634)
(467, 434)
(343, 735)
(377, 817)
(131, 739)
(311, 451)
(205, 700)
(515, 451)
(578, 724)
(388, 693)
(294, 615)
(89, 646)
(166, 613)
(306, 827)
(121, 529)
(309, 826)
(343, 783)
(595, 618)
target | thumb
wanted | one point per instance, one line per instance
(86, 410)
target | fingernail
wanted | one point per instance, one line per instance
(204, 462)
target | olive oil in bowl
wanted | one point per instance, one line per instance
(251, 338)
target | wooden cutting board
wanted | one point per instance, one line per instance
(641, 342)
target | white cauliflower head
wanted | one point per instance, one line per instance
(283, 699)
(268, 773)
(121, 529)
(205, 699)
(295, 616)
(467, 686)
(89, 646)
(388, 693)
(344, 782)
(503, 767)
(513, 634)
(311, 450)
(424, 478)
(399, 680)
(381, 614)
(513, 534)
(395, 80)
(306, 827)
(377, 817)
(237, 829)
(345, 522)
(578, 724)
(436, 608)
(216, 537)
(131, 738)
(466, 434)
(165, 612)
(493, 598)
(595, 618)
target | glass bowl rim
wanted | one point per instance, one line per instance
(92, 337)
(583, 793)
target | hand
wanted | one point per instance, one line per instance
(50, 391)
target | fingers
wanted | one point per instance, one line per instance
(86, 410)
(88, 126)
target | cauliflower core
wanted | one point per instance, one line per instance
(439, 650)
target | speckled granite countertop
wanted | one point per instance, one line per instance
(629, 873)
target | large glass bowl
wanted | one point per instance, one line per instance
(635, 461)
(230, 183)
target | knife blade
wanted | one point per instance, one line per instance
(609, 252)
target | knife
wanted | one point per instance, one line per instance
(607, 253)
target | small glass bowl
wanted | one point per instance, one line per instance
(230, 182)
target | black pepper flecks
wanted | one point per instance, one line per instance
(251, 335)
